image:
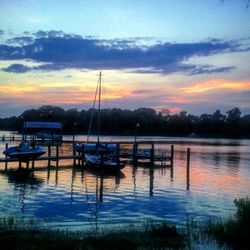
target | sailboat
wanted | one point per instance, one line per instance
(101, 155)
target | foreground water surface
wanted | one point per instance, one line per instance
(75, 198)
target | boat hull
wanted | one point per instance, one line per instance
(95, 162)
(14, 153)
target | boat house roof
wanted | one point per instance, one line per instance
(42, 125)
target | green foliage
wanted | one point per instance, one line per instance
(234, 231)
(26, 235)
(122, 122)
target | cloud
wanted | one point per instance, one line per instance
(16, 68)
(216, 85)
(141, 91)
(208, 69)
(23, 40)
(58, 51)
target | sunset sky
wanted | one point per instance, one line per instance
(182, 55)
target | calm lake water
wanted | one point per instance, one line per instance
(75, 198)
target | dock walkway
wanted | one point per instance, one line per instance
(132, 154)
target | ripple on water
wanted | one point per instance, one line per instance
(76, 199)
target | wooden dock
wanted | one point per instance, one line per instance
(44, 158)
(132, 155)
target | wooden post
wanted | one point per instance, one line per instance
(74, 154)
(57, 154)
(118, 153)
(172, 156)
(151, 181)
(101, 189)
(49, 154)
(102, 154)
(79, 158)
(27, 164)
(135, 147)
(188, 168)
(33, 164)
(152, 153)
(81, 155)
(6, 163)
(56, 177)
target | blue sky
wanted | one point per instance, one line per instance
(181, 55)
(173, 20)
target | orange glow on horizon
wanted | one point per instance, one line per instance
(176, 99)
(214, 85)
(175, 109)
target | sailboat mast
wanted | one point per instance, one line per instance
(99, 107)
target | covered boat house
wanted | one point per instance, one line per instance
(43, 130)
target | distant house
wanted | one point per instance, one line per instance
(43, 130)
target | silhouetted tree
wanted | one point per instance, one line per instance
(118, 121)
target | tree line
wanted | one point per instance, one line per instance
(122, 122)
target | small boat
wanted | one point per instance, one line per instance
(88, 147)
(103, 162)
(24, 152)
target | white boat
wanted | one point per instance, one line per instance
(101, 155)
(24, 152)
(91, 147)
(103, 162)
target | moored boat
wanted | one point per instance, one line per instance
(24, 152)
(101, 155)
(103, 162)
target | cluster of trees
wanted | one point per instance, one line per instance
(123, 122)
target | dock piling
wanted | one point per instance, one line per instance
(188, 168)
(6, 163)
(135, 148)
(74, 154)
(49, 154)
(57, 154)
(172, 156)
(118, 153)
(152, 153)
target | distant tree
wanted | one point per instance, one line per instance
(122, 122)
(233, 122)
(51, 113)
(165, 112)
(217, 123)
(233, 114)
(183, 114)
(245, 125)
(218, 116)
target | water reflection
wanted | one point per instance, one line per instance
(151, 181)
(233, 161)
(72, 196)
(24, 182)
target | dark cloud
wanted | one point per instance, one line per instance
(16, 68)
(48, 34)
(207, 69)
(59, 51)
(141, 91)
(23, 40)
